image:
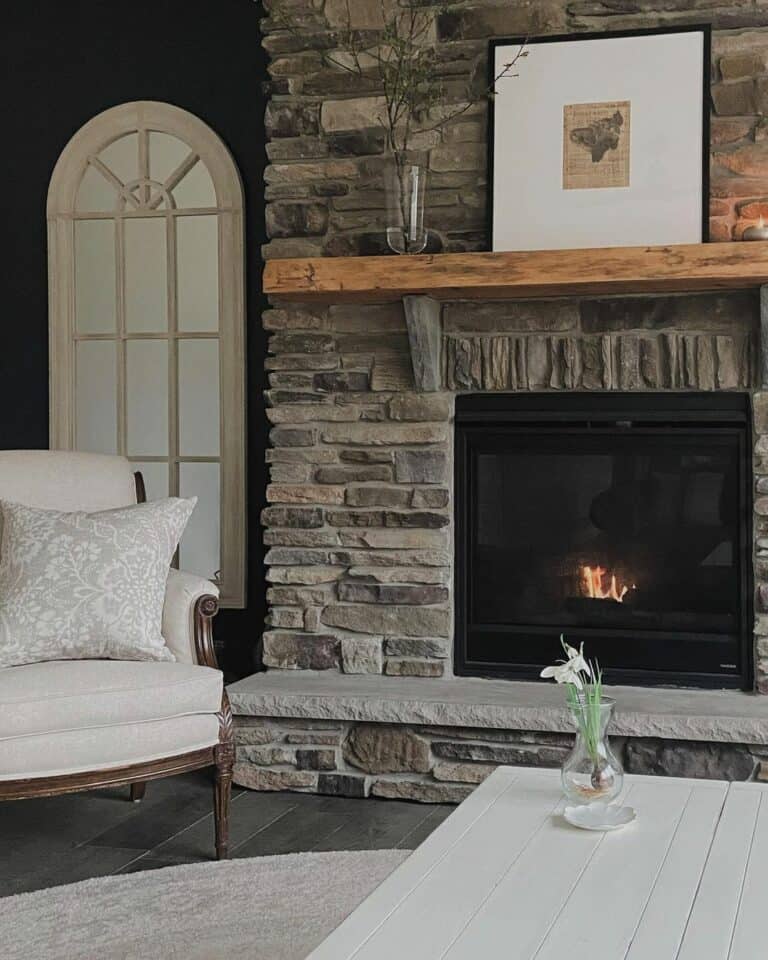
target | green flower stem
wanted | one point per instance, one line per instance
(585, 705)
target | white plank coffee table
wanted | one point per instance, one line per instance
(505, 877)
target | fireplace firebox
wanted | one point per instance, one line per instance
(623, 520)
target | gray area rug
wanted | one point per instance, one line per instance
(278, 908)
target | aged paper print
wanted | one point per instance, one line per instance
(596, 145)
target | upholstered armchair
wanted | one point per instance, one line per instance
(70, 725)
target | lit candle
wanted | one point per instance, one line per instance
(757, 231)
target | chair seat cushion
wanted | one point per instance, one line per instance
(105, 748)
(71, 695)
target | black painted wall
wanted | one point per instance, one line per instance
(63, 62)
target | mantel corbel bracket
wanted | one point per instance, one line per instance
(423, 317)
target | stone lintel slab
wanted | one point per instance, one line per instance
(724, 716)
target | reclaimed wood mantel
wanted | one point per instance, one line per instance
(540, 273)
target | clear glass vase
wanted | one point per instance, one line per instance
(406, 184)
(592, 771)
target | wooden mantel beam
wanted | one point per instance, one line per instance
(540, 273)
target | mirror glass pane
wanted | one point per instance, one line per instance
(147, 397)
(146, 288)
(199, 552)
(197, 242)
(155, 478)
(122, 157)
(95, 276)
(95, 193)
(195, 189)
(96, 396)
(199, 398)
(165, 155)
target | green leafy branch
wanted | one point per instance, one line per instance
(402, 62)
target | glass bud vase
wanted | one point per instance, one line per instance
(405, 184)
(592, 771)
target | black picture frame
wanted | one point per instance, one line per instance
(706, 100)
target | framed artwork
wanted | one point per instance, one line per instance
(600, 140)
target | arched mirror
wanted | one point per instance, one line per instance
(145, 219)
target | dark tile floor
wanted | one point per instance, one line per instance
(64, 839)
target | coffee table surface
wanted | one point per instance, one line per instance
(505, 877)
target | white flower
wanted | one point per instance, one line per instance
(570, 670)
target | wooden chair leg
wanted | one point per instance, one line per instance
(222, 794)
(137, 791)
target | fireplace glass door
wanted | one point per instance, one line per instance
(622, 521)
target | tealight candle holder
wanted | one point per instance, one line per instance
(758, 231)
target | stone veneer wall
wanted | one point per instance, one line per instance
(359, 521)
(324, 183)
(360, 518)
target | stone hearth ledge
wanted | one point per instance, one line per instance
(724, 716)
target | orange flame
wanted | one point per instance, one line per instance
(592, 579)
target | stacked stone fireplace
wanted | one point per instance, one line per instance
(360, 695)
(360, 520)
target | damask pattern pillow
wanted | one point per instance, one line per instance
(85, 586)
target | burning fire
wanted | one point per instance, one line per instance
(592, 579)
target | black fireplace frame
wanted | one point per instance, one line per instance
(486, 413)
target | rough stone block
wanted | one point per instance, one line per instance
(463, 772)
(316, 759)
(359, 474)
(356, 592)
(308, 412)
(303, 517)
(258, 778)
(286, 619)
(715, 761)
(401, 574)
(385, 434)
(417, 519)
(416, 647)
(342, 381)
(291, 437)
(531, 755)
(355, 518)
(289, 473)
(420, 466)
(420, 407)
(296, 219)
(357, 114)
(300, 455)
(430, 497)
(301, 538)
(525, 316)
(304, 576)
(248, 732)
(361, 655)
(289, 556)
(393, 539)
(414, 668)
(343, 785)
(295, 596)
(265, 756)
(306, 493)
(424, 791)
(734, 99)
(291, 119)
(378, 496)
(391, 621)
(298, 651)
(301, 343)
(366, 456)
(383, 748)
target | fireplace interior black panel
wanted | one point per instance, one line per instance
(619, 519)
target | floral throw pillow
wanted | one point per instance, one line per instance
(80, 586)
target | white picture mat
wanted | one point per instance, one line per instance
(661, 76)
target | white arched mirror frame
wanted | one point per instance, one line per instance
(80, 154)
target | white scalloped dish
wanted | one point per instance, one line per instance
(599, 816)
